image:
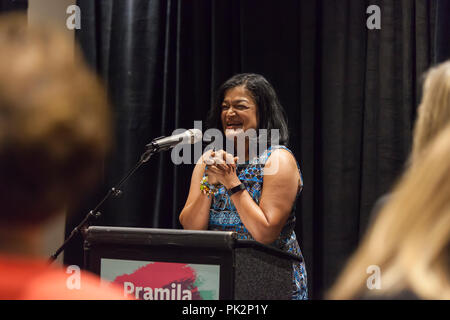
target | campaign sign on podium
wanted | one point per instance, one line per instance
(167, 264)
(155, 280)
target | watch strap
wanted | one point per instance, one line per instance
(236, 189)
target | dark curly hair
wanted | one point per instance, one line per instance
(271, 113)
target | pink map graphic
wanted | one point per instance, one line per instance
(176, 277)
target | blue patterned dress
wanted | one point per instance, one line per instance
(223, 216)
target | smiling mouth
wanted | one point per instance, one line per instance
(233, 125)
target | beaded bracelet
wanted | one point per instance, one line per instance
(207, 188)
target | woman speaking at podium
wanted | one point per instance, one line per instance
(258, 201)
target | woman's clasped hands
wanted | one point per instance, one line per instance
(221, 168)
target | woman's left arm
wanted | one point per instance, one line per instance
(280, 185)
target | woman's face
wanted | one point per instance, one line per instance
(239, 112)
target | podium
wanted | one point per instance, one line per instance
(170, 264)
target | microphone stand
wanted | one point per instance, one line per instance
(115, 191)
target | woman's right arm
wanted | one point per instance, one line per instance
(195, 214)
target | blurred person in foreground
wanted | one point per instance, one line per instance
(433, 115)
(410, 239)
(54, 133)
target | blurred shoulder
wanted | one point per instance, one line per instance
(56, 284)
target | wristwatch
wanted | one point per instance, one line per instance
(236, 189)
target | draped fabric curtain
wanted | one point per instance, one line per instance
(13, 5)
(350, 94)
(442, 34)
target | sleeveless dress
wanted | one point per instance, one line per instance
(223, 216)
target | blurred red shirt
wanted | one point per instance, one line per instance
(22, 278)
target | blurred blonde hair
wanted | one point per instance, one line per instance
(54, 122)
(409, 240)
(434, 110)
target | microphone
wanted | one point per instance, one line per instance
(190, 136)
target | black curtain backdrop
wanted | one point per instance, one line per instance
(13, 5)
(350, 94)
(442, 34)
